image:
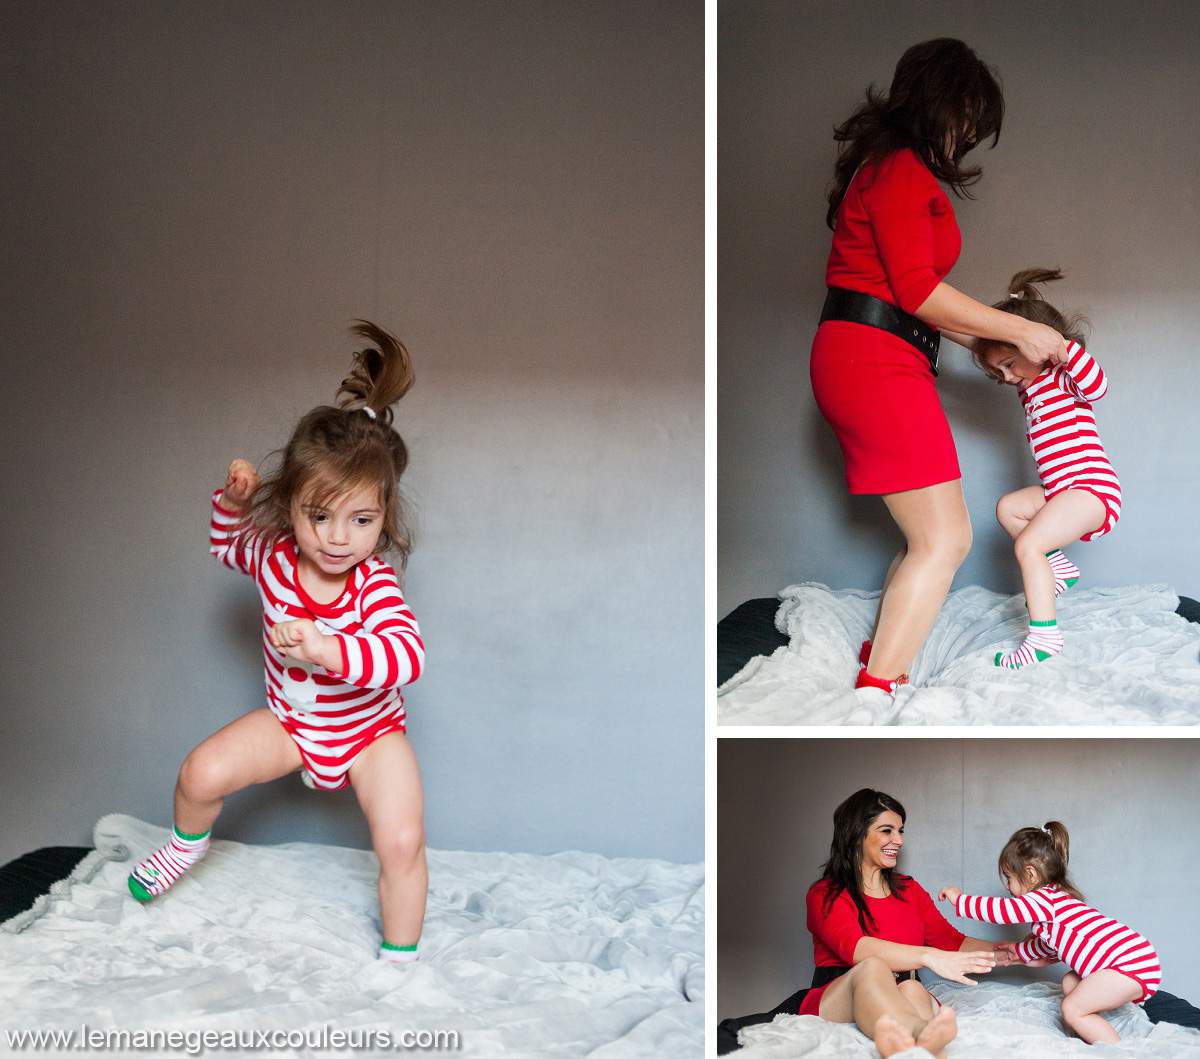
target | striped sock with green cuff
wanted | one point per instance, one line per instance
(161, 869)
(398, 953)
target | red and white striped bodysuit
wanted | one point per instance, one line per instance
(332, 717)
(1062, 433)
(1068, 930)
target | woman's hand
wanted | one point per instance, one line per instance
(1038, 343)
(949, 893)
(1006, 953)
(302, 640)
(955, 966)
(240, 483)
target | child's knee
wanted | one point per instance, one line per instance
(202, 776)
(1004, 509)
(1026, 548)
(1073, 1009)
(400, 844)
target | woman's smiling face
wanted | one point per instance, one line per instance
(881, 846)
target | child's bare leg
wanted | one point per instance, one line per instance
(937, 533)
(252, 749)
(1014, 510)
(1061, 521)
(1098, 992)
(388, 784)
(868, 996)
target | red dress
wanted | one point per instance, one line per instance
(912, 919)
(896, 238)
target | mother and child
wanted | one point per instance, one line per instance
(874, 359)
(874, 927)
(338, 639)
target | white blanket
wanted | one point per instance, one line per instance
(995, 1021)
(549, 956)
(1129, 660)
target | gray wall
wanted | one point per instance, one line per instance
(1128, 805)
(1093, 173)
(197, 199)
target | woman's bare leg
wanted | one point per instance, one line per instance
(937, 534)
(868, 996)
(883, 592)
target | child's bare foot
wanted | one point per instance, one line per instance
(891, 1037)
(938, 1032)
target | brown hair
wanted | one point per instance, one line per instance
(1047, 849)
(940, 88)
(843, 870)
(334, 450)
(1026, 301)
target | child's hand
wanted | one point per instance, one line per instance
(302, 640)
(949, 893)
(240, 483)
(1041, 961)
(1006, 953)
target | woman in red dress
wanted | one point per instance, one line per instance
(873, 928)
(873, 359)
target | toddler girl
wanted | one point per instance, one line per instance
(1110, 964)
(338, 639)
(1080, 496)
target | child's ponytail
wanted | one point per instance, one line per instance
(335, 449)
(382, 373)
(1047, 849)
(1025, 300)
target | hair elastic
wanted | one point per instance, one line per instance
(1014, 295)
(364, 407)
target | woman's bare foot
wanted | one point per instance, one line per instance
(938, 1032)
(891, 1037)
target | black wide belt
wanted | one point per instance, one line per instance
(857, 308)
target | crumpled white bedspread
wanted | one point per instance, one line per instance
(1129, 660)
(573, 954)
(995, 1021)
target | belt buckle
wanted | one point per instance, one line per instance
(933, 361)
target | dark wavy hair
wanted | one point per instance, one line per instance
(336, 449)
(843, 871)
(942, 101)
(1047, 849)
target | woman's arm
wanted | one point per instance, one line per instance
(954, 966)
(962, 317)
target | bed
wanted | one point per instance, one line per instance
(1132, 658)
(565, 955)
(996, 1020)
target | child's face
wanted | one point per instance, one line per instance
(338, 537)
(1008, 367)
(1022, 883)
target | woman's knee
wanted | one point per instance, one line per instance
(912, 990)
(948, 546)
(872, 967)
